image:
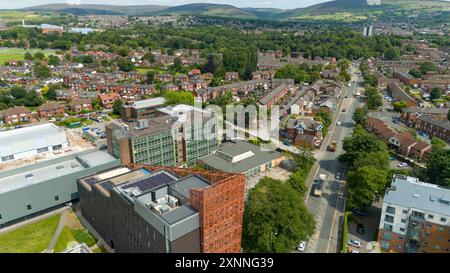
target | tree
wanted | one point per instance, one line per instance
(18, 92)
(50, 94)
(427, 67)
(437, 144)
(360, 115)
(366, 185)
(39, 55)
(125, 65)
(178, 97)
(42, 71)
(325, 118)
(438, 167)
(96, 104)
(361, 142)
(392, 54)
(415, 73)
(32, 99)
(28, 56)
(117, 107)
(435, 93)
(53, 60)
(213, 64)
(399, 105)
(123, 51)
(374, 99)
(150, 76)
(370, 79)
(266, 227)
(177, 64)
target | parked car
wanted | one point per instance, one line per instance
(359, 212)
(354, 243)
(338, 176)
(338, 123)
(354, 251)
(402, 165)
(301, 246)
(360, 228)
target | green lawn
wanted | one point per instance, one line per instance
(32, 238)
(17, 54)
(68, 235)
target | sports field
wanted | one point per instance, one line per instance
(17, 54)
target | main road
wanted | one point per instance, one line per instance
(328, 209)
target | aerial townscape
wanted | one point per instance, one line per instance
(221, 128)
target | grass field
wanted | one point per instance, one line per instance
(32, 238)
(17, 54)
(73, 231)
(16, 15)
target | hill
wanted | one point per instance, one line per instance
(346, 10)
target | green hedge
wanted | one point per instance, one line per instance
(345, 233)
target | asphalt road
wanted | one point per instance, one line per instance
(328, 207)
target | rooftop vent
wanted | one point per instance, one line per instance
(416, 195)
(432, 198)
(30, 175)
(142, 124)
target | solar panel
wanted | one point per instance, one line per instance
(107, 185)
(91, 181)
(151, 182)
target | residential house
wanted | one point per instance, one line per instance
(433, 127)
(399, 94)
(51, 109)
(107, 100)
(80, 104)
(16, 114)
(231, 76)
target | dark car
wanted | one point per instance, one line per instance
(360, 228)
(359, 212)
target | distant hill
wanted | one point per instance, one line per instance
(86, 9)
(323, 10)
(362, 6)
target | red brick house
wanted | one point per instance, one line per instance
(107, 100)
(16, 114)
(78, 105)
(51, 109)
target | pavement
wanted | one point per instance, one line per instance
(62, 221)
(329, 208)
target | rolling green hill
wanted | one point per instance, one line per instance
(346, 10)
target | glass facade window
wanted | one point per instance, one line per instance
(390, 210)
(389, 218)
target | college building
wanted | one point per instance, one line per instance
(238, 156)
(35, 188)
(165, 140)
(144, 209)
(415, 217)
(31, 140)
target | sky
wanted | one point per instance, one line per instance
(282, 4)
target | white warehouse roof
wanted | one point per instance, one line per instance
(30, 138)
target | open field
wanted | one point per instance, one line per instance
(338, 16)
(17, 54)
(32, 238)
(16, 15)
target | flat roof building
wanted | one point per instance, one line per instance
(31, 140)
(34, 188)
(241, 157)
(415, 217)
(142, 109)
(165, 140)
(161, 209)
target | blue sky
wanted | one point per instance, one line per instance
(283, 4)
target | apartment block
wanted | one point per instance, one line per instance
(415, 217)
